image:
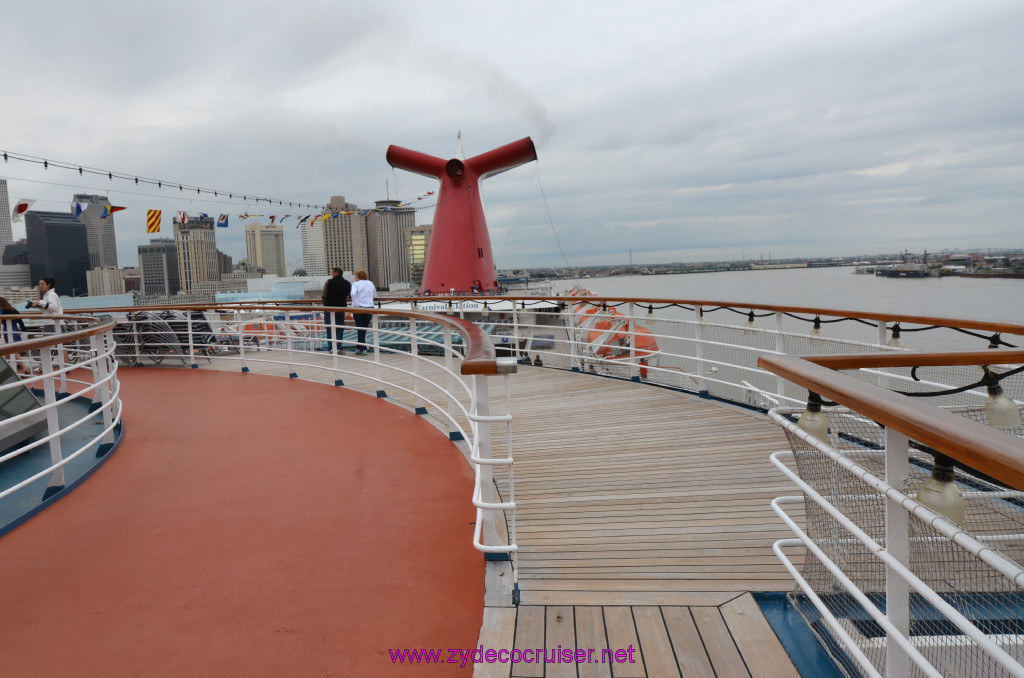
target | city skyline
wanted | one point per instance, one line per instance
(682, 131)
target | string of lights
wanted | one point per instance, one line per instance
(159, 183)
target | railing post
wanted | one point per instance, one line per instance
(634, 370)
(449, 365)
(414, 352)
(780, 346)
(374, 325)
(897, 543)
(482, 438)
(52, 422)
(135, 340)
(882, 339)
(702, 386)
(191, 343)
(515, 330)
(241, 339)
(569, 321)
(101, 396)
(289, 345)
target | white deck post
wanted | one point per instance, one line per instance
(488, 533)
(780, 346)
(897, 543)
(101, 396)
(414, 352)
(191, 344)
(515, 330)
(702, 385)
(241, 340)
(634, 370)
(374, 324)
(52, 420)
(449, 365)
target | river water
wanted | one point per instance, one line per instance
(991, 299)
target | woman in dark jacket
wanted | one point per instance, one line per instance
(16, 325)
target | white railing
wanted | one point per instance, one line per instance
(61, 401)
(413, 359)
(900, 587)
(714, 358)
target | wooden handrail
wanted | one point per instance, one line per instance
(996, 356)
(101, 325)
(981, 447)
(964, 323)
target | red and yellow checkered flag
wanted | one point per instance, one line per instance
(153, 221)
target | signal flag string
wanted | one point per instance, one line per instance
(159, 183)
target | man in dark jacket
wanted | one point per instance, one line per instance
(336, 293)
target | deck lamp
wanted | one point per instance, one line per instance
(812, 421)
(896, 342)
(816, 332)
(450, 310)
(750, 323)
(702, 318)
(940, 493)
(650, 310)
(1000, 410)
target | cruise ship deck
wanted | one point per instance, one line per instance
(282, 510)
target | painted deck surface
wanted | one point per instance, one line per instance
(248, 526)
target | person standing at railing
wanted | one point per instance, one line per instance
(12, 328)
(336, 293)
(49, 302)
(363, 294)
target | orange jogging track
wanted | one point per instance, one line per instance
(251, 526)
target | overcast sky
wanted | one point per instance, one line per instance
(682, 130)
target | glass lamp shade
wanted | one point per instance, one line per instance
(941, 494)
(1001, 411)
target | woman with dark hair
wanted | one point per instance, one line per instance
(49, 302)
(363, 293)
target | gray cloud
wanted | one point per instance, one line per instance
(678, 130)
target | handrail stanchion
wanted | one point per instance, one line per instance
(191, 342)
(515, 331)
(62, 357)
(288, 344)
(897, 542)
(702, 386)
(634, 370)
(101, 371)
(482, 439)
(449, 367)
(414, 352)
(52, 422)
(241, 339)
(780, 346)
(374, 324)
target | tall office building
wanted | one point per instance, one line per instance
(6, 235)
(345, 237)
(313, 254)
(385, 231)
(158, 264)
(264, 247)
(197, 251)
(100, 231)
(58, 248)
(107, 281)
(417, 242)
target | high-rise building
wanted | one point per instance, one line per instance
(385, 230)
(345, 237)
(313, 254)
(197, 251)
(158, 264)
(264, 247)
(16, 253)
(58, 248)
(6, 235)
(224, 264)
(417, 242)
(100, 231)
(105, 281)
